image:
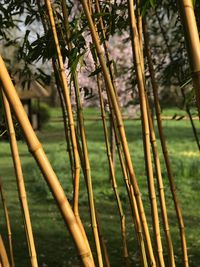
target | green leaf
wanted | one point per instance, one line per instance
(97, 71)
(78, 60)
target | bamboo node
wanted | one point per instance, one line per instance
(61, 69)
(33, 149)
(84, 255)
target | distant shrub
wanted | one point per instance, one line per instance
(43, 113)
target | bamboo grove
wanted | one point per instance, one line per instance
(149, 231)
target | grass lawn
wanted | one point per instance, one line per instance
(53, 243)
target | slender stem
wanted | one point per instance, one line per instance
(3, 254)
(20, 183)
(113, 176)
(131, 195)
(44, 19)
(36, 148)
(80, 117)
(101, 26)
(7, 219)
(68, 107)
(130, 191)
(140, 31)
(145, 127)
(103, 243)
(64, 115)
(157, 163)
(121, 129)
(193, 127)
(69, 113)
(71, 127)
(168, 163)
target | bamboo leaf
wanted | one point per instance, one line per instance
(76, 61)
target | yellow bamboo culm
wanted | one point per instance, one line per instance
(7, 219)
(140, 31)
(64, 115)
(100, 25)
(67, 102)
(141, 25)
(71, 125)
(161, 191)
(68, 107)
(110, 147)
(156, 159)
(113, 177)
(146, 135)
(193, 44)
(86, 161)
(46, 169)
(121, 130)
(20, 183)
(3, 254)
(130, 191)
(167, 160)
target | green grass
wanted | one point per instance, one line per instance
(53, 243)
(177, 111)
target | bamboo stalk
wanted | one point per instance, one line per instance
(87, 168)
(115, 126)
(193, 127)
(193, 45)
(59, 85)
(103, 243)
(121, 131)
(70, 121)
(167, 161)
(171, 260)
(60, 93)
(111, 147)
(3, 254)
(113, 178)
(7, 219)
(105, 45)
(129, 188)
(145, 128)
(65, 122)
(112, 75)
(68, 107)
(140, 31)
(20, 183)
(69, 127)
(161, 192)
(159, 178)
(131, 196)
(46, 169)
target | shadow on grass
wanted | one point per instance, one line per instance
(54, 245)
